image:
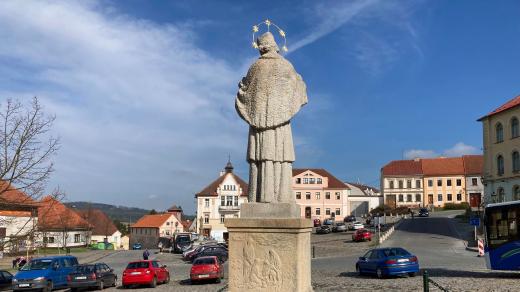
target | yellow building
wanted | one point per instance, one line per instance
(444, 181)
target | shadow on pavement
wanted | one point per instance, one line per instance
(440, 272)
(431, 225)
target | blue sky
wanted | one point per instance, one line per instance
(143, 91)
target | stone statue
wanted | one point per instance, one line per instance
(268, 97)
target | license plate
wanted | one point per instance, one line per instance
(81, 278)
(203, 276)
(402, 260)
(24, 285)
(136, 273)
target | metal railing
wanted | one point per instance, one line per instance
(427, 281)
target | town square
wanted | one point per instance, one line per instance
(170, 145)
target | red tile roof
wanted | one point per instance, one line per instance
(403, 167)
(211, 189)
(11, 195)
(101, 224)
(473, 164)
(152, 221)
(442, 166)
(508, 105)
(53, 215)
(334, 183)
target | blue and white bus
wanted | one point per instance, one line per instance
(502, 245)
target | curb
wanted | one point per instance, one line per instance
(389, 232)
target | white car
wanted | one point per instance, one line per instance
(357, 225)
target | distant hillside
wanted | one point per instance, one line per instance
(121, 213)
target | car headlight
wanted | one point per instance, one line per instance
(39, 279)
(15, 281)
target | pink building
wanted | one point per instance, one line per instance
(320, 194)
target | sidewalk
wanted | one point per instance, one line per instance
(466, 233)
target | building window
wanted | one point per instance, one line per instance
(474, 181)
(327, 195)
(449, 198)
(516, 193)
(48, 239)
(439, 182)
(318, 195)
(391, 184)
(222, 201)
(418, 184)
(430, 182)
(327, 211)
(338, 196)
(409, 184)
(298, 180)
(229, 201)
(167, 232)
(499, 133)
(298, 195)
(77, 238)
(459, 197)
(401, 198)
(501, 195)
(400, 184)
(318, 211)
(500, 165)
(417, 197)
(448, 182)
(206, 218)
(305, 181)
(308, 195)
(236, 201)
(459, 182)
(222, 218)
(439, 197)
(319, 181)
(514, 127)
(408, 198)
(312, 181)
(206, 203)
(516, 161)
(338, 211)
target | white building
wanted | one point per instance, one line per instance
(219, 200)
(363, 198)
(103, 229)
(150, 228)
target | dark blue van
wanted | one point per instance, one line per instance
(44, 273)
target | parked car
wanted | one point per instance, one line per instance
(317, 222)
(190, 255)
(357, 225)
(45, 273)
(92, 276)
(388, 261)
(219, 251)
(148, 272)
(6, 280)
(339, 227)
(423, 212)
(328, 221)
(207, 268)
(137, 245)
(350, 218)
(324, 229)
(362, 235)
(182, 242)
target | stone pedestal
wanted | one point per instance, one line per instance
(269, 254)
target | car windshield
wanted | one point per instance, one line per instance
(37, 265)
(183, 239)
(138, 265)
(84, 269)
(392, 252)
(423, 210)
(204, 261)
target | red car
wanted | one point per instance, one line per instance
(148, 272)
(207, 268)
(362, 235)
(317, 222)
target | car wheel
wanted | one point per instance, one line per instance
(115, 282)
(101, 285)
(167, 279)
(412, 274)
(358, 270)
(73, 289)
(154, 282)
(48, 288)
(379, 273)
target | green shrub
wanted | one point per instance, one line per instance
(454, 206)
(381, 210)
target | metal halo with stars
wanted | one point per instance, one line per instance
(268, 23)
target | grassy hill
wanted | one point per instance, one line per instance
(121, 213)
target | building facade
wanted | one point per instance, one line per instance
(219, 200)
(319, 194)
(362, 199)
(150, 228)
(444, 181)
(473, 170)
(102, 227)
(402, 183)
(501, 139)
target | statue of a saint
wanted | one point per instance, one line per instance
(268, 97)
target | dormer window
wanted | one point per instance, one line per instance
(319, 181)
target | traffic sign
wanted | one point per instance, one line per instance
(475, 221)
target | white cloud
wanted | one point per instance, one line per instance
(458, 149)
(140, 108)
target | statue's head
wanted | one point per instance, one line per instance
(266, 43)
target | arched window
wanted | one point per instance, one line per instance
(514, 128)
(501, 195)
(500, 165)
(499, 133)
(516, 193)
(516, 161)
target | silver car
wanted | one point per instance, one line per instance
(339, 227)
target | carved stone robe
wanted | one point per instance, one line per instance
(268, 97)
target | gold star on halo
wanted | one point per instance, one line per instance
(282, 33)
(255, 28)
(285, 49)
(268, 22)
(255, 45)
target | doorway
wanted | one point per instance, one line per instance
(308, 212)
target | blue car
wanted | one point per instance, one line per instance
(45, 274)
(387, 262)
(137, 245)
